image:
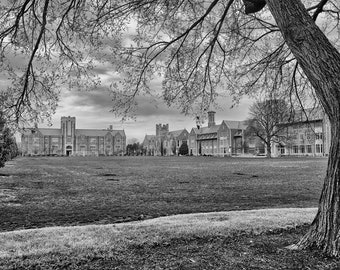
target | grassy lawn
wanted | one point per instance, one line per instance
(58, 191)
(235, 240)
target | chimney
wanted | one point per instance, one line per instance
(211, 118)
(110, 127)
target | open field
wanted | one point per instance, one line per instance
(60, 191)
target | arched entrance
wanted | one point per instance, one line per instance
(68, 150)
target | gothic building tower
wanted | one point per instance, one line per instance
(211, 118)
(68, 127)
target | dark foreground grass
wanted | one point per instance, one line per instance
(59, 191)
(238, 251)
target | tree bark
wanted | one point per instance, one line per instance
(269, 148)
(320, 62)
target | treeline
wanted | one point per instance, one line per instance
(135, 149)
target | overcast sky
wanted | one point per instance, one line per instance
(92, 110)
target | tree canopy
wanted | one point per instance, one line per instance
(267, 119)
(200, 49)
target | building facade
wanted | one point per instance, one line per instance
(165, 142)
(151, 145)
(225, 139)
(70, 141)
(308, 135)
(173, 140)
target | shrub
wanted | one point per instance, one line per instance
(183, 150)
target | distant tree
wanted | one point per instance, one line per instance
(266, 119)
(183, 149)
(8, 146)
(129, 149)
(134, 149)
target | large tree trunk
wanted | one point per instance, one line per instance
(321, 63)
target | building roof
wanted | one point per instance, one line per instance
(50, 131)
(148, 138)
(307, 115)
(43, 131)
(311, 114)
(176, 133)
(99, 132)
(207, 130)
(214, 129)
(115, 132)
(235, 124)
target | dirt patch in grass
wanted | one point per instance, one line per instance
(237, 252)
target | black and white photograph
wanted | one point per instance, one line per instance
(170, 134)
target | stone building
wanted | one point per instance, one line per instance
(165, 142)
(308, 135)
(151, 145)
(173, 140)
(70, 141)
(217, 140)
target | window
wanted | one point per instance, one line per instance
(318, 148)
(282, 150)
(309, 149)
(295, 149)
(36, 141)
(69, 128)
(93, 140)
(302, 149)
(318, 136)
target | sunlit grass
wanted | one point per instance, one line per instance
(81, 239)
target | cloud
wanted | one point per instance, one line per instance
(92, 110)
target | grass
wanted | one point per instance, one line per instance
(277, 198)
(253, 239)
(60, 191)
